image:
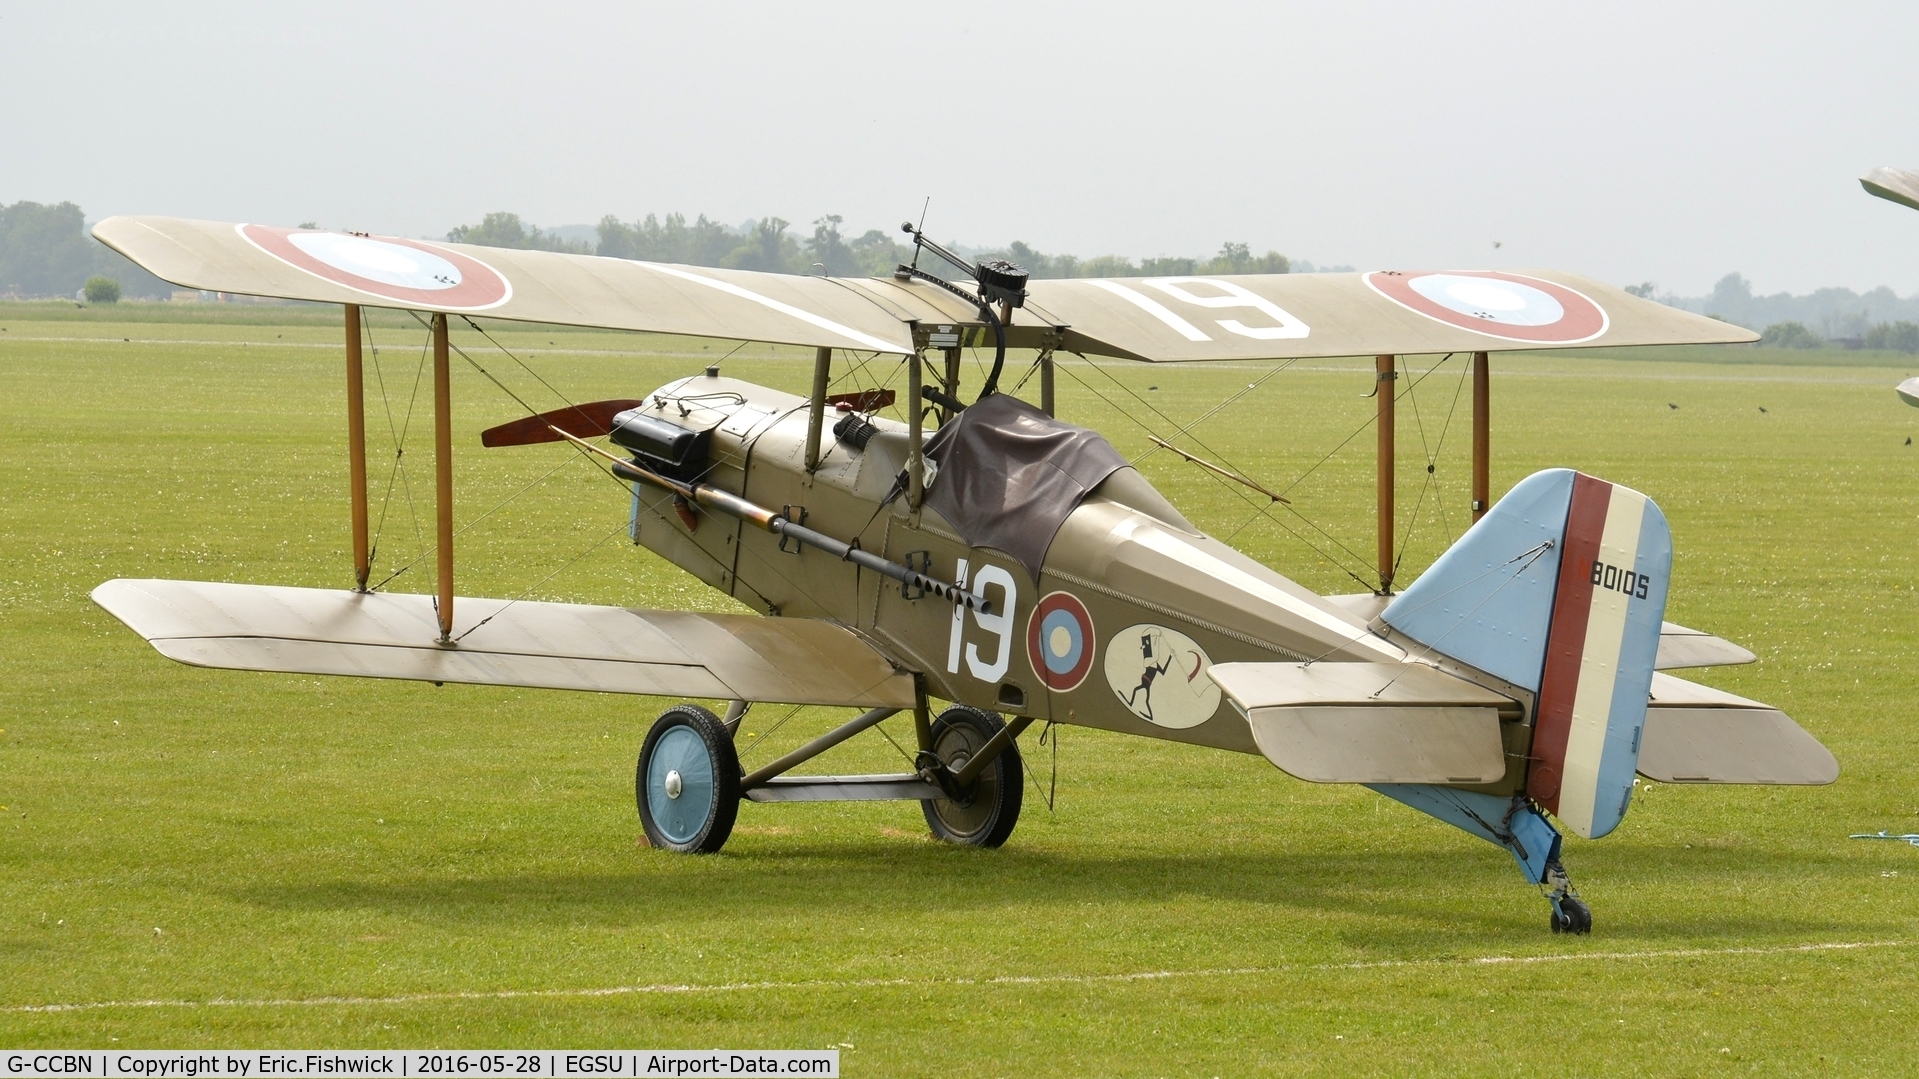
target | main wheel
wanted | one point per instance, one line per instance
(688, 781)
(985, 815)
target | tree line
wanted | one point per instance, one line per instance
(1817, 319)
(768, 244)
(45, 251)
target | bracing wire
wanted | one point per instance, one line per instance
(768, 733)
(1431, 482)
(398, 474)
(527, 591)
(1218, 408)
(1237, 492)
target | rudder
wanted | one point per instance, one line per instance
(1561, 589)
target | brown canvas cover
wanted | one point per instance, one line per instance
(1010, 474)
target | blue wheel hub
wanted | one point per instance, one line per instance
(679, 784)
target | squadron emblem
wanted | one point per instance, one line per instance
(1160, 676)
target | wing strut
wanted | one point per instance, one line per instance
(443, 471)
(1384, 391)
(1482, 436)
(356, 447)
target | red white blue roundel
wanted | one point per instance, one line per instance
(1496, 304)
(404, 271)
(1060, 641)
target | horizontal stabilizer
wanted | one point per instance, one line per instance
(1697, 734)
(537, 645)
(1369, 722)
(1681, 647)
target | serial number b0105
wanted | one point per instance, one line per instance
(1613, 579)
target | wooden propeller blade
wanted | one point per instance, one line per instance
(581, 421)
(863, 401)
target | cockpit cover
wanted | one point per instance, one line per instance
(1010, 474)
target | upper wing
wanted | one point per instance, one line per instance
(539, 645)
(1360, 314)
(1256, 317)
(1893, 185)
(530, 286)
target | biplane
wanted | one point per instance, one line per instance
(1902, 187)
(966, 556)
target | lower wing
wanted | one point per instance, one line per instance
(507, 643)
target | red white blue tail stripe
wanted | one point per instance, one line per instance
(1614, 565)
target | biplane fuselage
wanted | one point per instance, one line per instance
(1145, 590)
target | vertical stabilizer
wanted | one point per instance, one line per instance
(1561, 588)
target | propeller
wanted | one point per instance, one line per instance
(581, 421)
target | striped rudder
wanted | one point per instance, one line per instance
(1560, 589)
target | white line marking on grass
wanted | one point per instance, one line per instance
(1009, 979)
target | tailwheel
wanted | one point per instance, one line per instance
(688, 781)
(1572, 916)
(1570, 913)
(984, 813)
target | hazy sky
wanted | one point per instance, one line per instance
(1631, 141)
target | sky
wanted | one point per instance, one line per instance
(1670, 142)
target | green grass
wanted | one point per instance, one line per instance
(460, 864)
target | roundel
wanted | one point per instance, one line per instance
(1060, 641)
(1496, 304)
(405, 271)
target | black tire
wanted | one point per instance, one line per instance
(1572, 916)
(691, 804)
(986, 814)
(1578, 916)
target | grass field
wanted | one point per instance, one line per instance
(193, 857)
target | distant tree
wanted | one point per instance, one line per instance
(1731, 298)
(1107, 266)
(1790, 335)
(309, 225)
(100, 289)
(878, 253)
(703, 243)
(1233, 258)
(1238, 258)
(767, 248)
(828, 251)
(1643, 290)
(43, 249)
(506, 230)
(1039, 267)
(1894, 336)
(1168, 267)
